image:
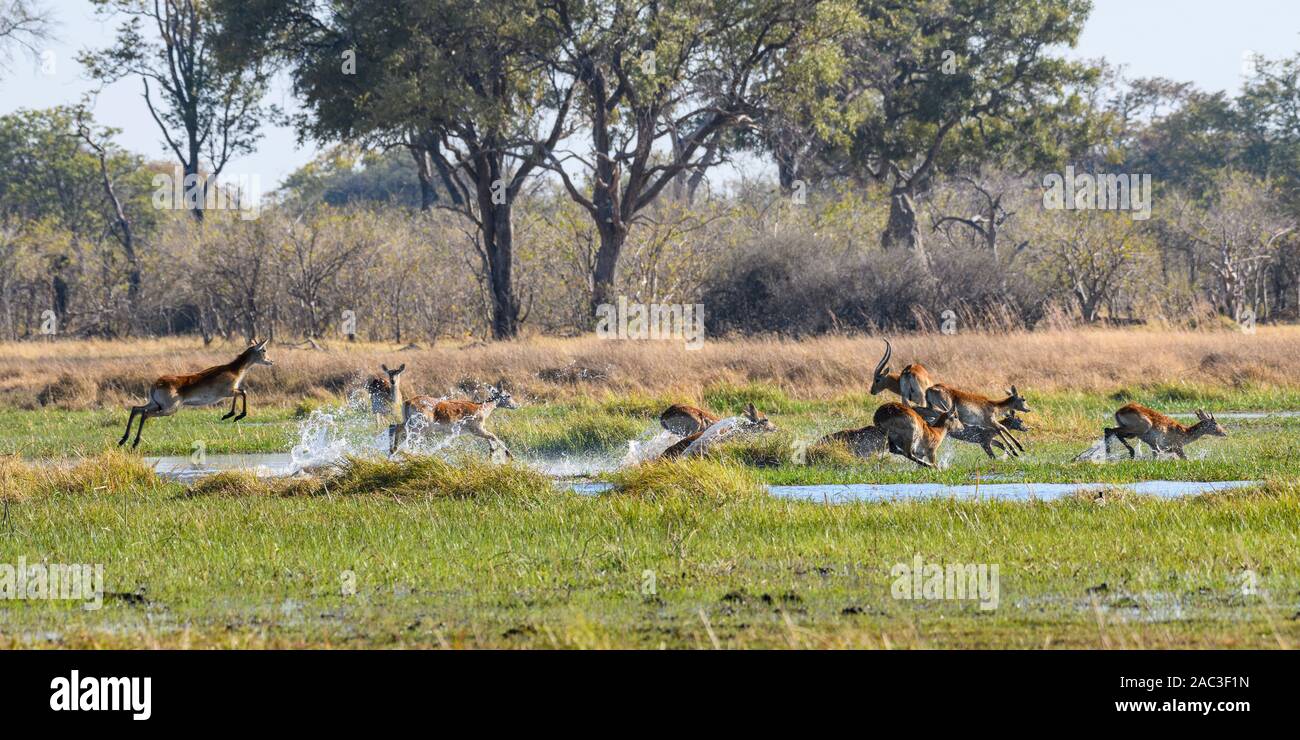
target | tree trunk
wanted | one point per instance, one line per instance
(200, 186)
(498, 245)
(424, 170)
(902, 229)
(605, 271)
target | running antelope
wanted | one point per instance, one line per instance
(977, 410)
(907, 433)
(452, 415)
(203, 388)
(984, 436)
(911, 383)
(684, 420)
(752, 421)
(1158, 431)
(386, 395)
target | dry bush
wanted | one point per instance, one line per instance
(763, 369)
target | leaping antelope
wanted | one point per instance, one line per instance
(1159, 432)
(684, 420)
(445, 415)
(911, 383)
(907, 433)
(203, 388)
(985, 437)
(978, 410)
(385, 395)
(754, 421)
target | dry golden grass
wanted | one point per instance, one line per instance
(89, 374)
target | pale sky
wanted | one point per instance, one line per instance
(1202, 41)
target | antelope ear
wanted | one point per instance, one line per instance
(262, 344)
(751, 411)
(383, 367)
(401, 368)
(1013, 391)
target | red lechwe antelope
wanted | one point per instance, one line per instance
(976, 410)
(203, 388)
(684, 420)
(1158, 431)
(447, 415)
(985, 437)
(907, 433)
(910, 384)
(386, 395)
(754, 421)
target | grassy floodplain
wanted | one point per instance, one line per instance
(463, 553)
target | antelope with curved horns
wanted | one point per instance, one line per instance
(203, 388)
(449, 415)
(985, 437)
(385, 396)
(1158, 431)
(907, 433)
(911, 383)
(978, 410)
(754, 421)
(684, 420)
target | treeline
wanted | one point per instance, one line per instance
(492, 168)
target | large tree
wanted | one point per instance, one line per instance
(207, 112)
(459, 81)
(662, 84)
(937, 84)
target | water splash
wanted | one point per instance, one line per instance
(329, 434)
(720, 430)
(649, 447)
(1097, 453)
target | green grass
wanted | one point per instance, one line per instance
(385, 564)
(460, 552)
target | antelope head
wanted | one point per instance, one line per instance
(757, 420)
(256, 353)
(392, 374)
(880, 378)
(1207, 424)
(1017, 401)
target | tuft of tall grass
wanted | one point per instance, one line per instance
(109, 472)
(687, 477)
(760, 450)
(464, 477)
(832, 453)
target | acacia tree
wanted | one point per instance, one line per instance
(464, 76)
(661, 84)
(207, 112)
